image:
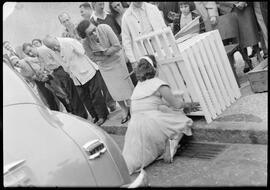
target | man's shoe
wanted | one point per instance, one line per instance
(247, 69)
(112, 108)
(100, 121)
(94, 120)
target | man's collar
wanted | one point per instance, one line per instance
(95, 17)
(142, 7)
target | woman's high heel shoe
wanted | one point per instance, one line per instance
(124, 120)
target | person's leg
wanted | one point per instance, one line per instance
(67, 84)
(125, 111)
(248, 63)
(257, 52)
(171, 147)
(111, 104)
(133, 76)
(97, 99)
(85, 97)
(48, 95)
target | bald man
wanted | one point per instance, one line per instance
(52, 64)
(70, 28)
(83, 71)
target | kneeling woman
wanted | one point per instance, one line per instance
(103, 47)
(156, 126)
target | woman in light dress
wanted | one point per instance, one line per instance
(117, 10)
(103, 47)
(156, 126)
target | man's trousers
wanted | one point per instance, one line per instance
(91, 95)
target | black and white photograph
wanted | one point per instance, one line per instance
(135, 94)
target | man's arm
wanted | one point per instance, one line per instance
(77, 47)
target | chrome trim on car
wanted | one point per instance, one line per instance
(94, 149)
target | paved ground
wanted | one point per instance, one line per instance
(236, 165)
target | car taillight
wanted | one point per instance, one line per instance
(94, 149)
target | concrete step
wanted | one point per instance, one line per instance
(228, 128)
(229, 132)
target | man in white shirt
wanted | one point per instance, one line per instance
(139, 19)
(52, 64)
(83, 72)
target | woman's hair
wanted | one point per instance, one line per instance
(82, 26)
(114, 13)
(145, 70)
(191, 5)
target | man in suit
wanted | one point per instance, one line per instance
(83, 71)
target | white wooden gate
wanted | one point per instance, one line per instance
(198, 66)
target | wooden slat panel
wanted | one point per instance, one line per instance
(172, 42)
(217, 75)
(186, 77)
(196, 68)
(222, 71)
(148, 47)
(196, 87)
(179, 81)
(226, 63)
(220, 104)
(206, 80)
(165, 46)
(157, 47)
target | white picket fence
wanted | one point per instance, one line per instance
(198, 66)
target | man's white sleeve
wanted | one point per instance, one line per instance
(127, 41)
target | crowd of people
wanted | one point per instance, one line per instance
(95, 65)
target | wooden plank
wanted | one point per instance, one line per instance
(221, 70)
(165, 46)
(207, 114)
(149, 48)
(209, 94)
(199, 80)
(176, 73)
(206, 76)
(172, 42)
(217, 75)
(220, 102)
(170, 60)
(181, 65)
(142, 49)
(157, 47)
(226, 65)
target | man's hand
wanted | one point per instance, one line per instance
(213, 20)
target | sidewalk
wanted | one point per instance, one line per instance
(243, 122)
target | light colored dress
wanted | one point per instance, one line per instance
(151, 125)
(113, 68)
